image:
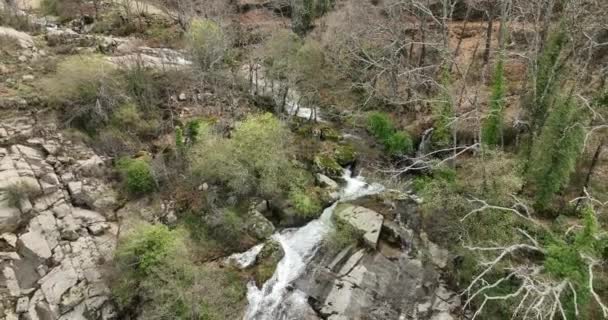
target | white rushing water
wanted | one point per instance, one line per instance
(263, 86)
(300, 246)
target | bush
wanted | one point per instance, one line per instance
(399, 144)
(157, 275)
(137, 176)
(306, 203)
(129, 118)
(254, 160)
(207, 44)
(380, 125)
(396, 143)
(86, 88)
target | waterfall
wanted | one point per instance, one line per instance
(300, 246)
(425, 142)
(273, 89)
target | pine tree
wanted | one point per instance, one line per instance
(301, 16)
(555, 151)
(443, 112)
(492, 126)
(547, 79)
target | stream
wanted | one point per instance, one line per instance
(300, 246)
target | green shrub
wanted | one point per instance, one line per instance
(156, 274)
(137, 176)
(306, 203)
(254, 160)
(396, 143)
(399, 144)
(129, 118)
(380, 125)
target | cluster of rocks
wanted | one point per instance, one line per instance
(56, 227)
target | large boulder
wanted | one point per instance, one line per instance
(23, 39)
(365, 220)
(58, 281)
(258, 226)
(33, 245)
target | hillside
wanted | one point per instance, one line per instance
(303, 159)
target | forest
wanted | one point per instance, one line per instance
(303, 159)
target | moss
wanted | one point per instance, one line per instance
(328, 165)
(345, 154)
(268, 259)
(306, 202)
(328, 133)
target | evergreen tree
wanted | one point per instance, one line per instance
(301, 16)
(492, 126)
(546, 82)
(443, 112)
(555, 151)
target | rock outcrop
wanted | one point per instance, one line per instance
(56, 225)
(365, 220)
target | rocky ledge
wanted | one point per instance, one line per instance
(56, 225)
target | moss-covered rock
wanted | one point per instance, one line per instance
(330, 134)
(267, 261)
(328, 165)
(345, 154)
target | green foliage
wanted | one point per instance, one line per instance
(492, 125)
(147, 248)
(156, 273)
(128, 118)
(306, 202)
(447, 192)
(380, 125)
(343, 235)
(443, 112)
(207, 44)
(345, 154)
(555, 151)
(267, 260)
(564, 258)
(546, 78)
(254, 160)
(399, 143)
(301, 16)
(395, 142)
(137, 176)
(328, 165)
